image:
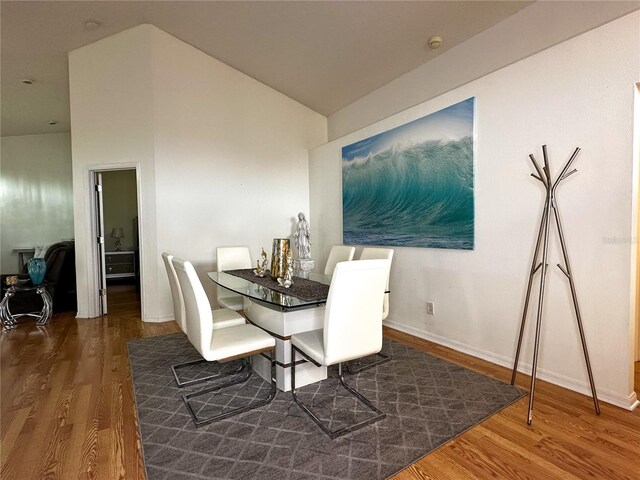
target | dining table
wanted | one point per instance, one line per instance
(281, 312)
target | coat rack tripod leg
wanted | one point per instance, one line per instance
(534, 269)
(574, 297)
(543, 276)
(542, 177)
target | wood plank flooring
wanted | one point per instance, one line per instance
(67, 411)
(566, 440)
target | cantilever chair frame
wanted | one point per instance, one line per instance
(344, 430)
(167, 258)
(365, 279)
(195, 381)
(198, 315)
(382, 358)
(246, 365)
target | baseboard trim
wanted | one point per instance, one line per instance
(629, 402)
(147, 319)
(158, 319)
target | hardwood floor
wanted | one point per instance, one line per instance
(566, 439)
(67, 411)
(123, 301)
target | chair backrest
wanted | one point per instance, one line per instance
(199, 319)
(338, 253)
(176, 293)
(369, 253)
(352, 322)
(232, 258)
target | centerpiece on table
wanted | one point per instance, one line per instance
(302, 236)
(261, 267)
(281, 248)
(287, 279)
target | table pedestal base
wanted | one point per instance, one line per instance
(305, 374)
(282, 325)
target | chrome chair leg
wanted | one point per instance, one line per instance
(195, 381)
(199, 421)
(383, 358)
(344, 430)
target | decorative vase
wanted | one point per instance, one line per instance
(279, 252)
(36, 267)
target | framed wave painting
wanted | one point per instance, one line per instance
(412, 186)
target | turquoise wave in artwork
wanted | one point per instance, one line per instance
(421, 196)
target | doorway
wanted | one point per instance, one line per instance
(118, 234)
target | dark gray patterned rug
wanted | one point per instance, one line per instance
(428, 401)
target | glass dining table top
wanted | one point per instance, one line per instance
(265, 295)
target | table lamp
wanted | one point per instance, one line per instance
(117, 233)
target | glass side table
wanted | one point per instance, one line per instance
(10, 321)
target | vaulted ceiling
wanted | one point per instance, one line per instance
(323, 54)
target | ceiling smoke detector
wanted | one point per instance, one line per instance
(91, 25)
(434, 42)
(27, 81)
(53, 122)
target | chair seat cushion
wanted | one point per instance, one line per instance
(311, 343)
(232, 302)
(224, 317)
(236, 342)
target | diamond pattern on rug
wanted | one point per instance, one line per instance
(427, 400)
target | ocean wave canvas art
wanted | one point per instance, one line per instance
(412, 186)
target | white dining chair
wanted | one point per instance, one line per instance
(176, 294)
(352, 329)
(231, 258)
(221, 318)
(220, 345)
(370, 253)
(338, 253)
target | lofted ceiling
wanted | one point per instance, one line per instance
(324, 54)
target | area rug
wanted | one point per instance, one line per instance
(427, 400)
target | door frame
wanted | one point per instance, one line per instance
(635, 243)
(91, 218)
(99, 231)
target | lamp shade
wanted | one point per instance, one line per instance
(117, 233)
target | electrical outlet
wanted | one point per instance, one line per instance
(430, 308)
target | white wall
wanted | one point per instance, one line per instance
(224, 158)
(231, 158)
(36, 189)
(578, 93)
(111, 107)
